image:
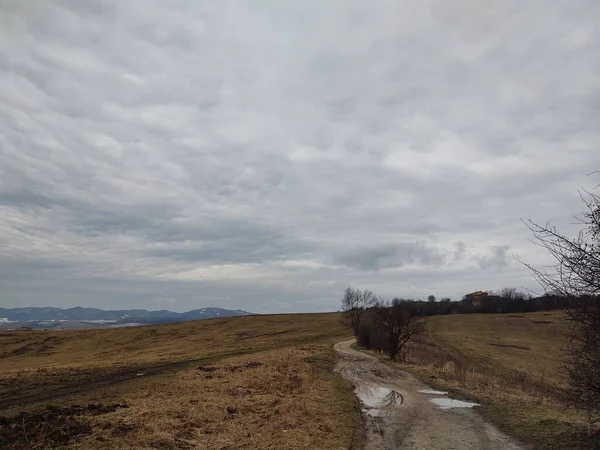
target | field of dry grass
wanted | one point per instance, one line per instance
(266, 382)
(247, 382)
(511, 364)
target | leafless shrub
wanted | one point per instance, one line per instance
(576, 275)
(396, 319)
(388, 326)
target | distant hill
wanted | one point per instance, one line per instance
(91, 317)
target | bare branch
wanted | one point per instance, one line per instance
(576, 275)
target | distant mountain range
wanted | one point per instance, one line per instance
(78, 317)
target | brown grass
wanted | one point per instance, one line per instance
(512, 366)
(250, 382)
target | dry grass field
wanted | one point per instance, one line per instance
(247, 382)
(266, 382)
(511, 364)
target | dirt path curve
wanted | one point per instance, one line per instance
(399, 416)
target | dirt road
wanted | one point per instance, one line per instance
(402, 413)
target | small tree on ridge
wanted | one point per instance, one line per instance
(355, 302)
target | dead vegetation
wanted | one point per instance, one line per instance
(52, 427)
(90, 360)
(512, 366)
(199, 386)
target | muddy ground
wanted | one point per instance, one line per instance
(402, 413)
(51, 427)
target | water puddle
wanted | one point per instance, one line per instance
(378, 401)
(449, 403)
(432, 392)
(353, 373)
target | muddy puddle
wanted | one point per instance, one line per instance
(445, 402)
(449, 403)
(401, 412)
(432, 392)
(378, 401)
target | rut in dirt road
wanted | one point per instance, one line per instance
(402, 413)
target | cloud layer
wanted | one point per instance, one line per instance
(264, 155)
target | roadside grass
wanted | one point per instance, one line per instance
(511, 365)
(249, 382)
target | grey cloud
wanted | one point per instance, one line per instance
(498, 258)
(229, 242)
(272, 153)
(391, 256)
(460, 251)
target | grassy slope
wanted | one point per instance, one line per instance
(252, 382)
(511, 365)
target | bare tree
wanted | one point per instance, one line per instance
(576, 275)
(355, 302)
(396, 320)
(511, 294)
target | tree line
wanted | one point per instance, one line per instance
(507, 300)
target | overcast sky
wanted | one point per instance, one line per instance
(264, 155)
